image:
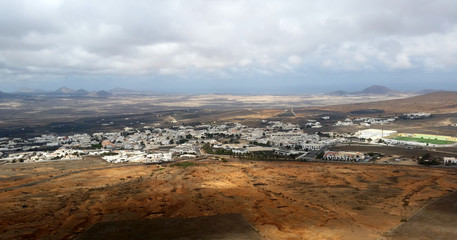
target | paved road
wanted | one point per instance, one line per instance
(292, 111)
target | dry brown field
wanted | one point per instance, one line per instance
(283, 200)
(438, 103)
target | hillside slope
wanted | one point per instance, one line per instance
(437, 102)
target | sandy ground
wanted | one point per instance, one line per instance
(396, 160)
(435, 103)
(283, 200)
(437, 220)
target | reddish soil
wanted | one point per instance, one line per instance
(283, 200)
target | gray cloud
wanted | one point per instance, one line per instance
(46, 38)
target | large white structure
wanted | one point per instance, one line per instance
(374, 134)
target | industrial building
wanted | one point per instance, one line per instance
(374, 134)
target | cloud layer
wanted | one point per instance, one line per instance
(49, 40)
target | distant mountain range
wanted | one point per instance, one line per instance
(67, 92)
(61, 92)
(378, 90)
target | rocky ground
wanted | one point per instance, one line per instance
(283, 200)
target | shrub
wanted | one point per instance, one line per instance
(184, 164)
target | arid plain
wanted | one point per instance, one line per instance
(283, 200)
(45, 110)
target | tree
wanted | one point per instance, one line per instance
(207, 148)
(428, 159)
(426, 156)
(96, 146)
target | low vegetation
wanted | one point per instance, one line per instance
(427, 159)
(423, 140)
(220, 151)
(184, 164)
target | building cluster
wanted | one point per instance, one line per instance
(369, 121)
(418, 115)
(155, 144)
(46, 142)
(34, 156)
(365, 121)
(163, 144)
(344, 156)
(138, 156)
(313, 124)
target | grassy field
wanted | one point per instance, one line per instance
(423, 140)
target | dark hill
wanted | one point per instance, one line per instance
(103, 93)
(100, 94)
(80, 92)
(64, 90)
(377, 89)
(372, 90)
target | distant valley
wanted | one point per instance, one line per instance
(30, 112)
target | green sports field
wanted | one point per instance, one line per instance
(423, 140)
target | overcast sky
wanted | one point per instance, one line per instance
(228, 46)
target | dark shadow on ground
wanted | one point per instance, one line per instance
(437, 220)
(226, 227)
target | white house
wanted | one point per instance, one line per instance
(449, 160)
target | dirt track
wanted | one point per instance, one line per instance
(283, 200)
